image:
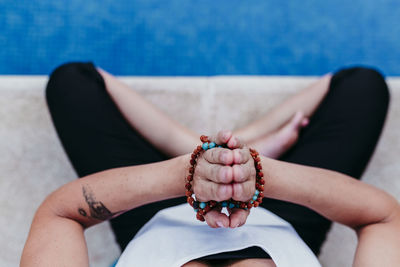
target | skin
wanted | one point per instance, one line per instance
(271, 135)
(57, 233)
(178, 140)
(56, 237)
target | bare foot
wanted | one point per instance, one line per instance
(277, 143)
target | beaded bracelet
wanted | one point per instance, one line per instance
(201, 208)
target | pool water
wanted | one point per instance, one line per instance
(200, 37)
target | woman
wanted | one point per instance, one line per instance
(104, 125)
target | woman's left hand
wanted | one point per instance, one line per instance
(222, 174)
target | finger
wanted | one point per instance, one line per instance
(235, 142)
(305, 122)
(238, 217)
(243, 191)
(240, 156)
(297, 121)
(216, 219)
(214, 172)
(219, 156)
(239, 173)
(222, 137)
(243, 172)
(206, 190)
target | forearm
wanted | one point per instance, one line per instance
(334, 195)
(125, 188)
(307, 101)
(160, 130)
(57, 229)
(372, 213)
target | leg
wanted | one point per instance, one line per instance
(149, 121)
(307, 101)
(96, 137)
(341, 136)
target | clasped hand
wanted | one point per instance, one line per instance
(222, 174)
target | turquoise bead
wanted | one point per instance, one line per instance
(196, 210)
(205, 146)
(254, 197)
(224, 204)
(202, 205)
(256, 192)
(252, 201)
(211, 145)
(231, 205)
(219, 146)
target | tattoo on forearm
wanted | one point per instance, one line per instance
(97, 209)
(82, 212)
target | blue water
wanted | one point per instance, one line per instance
(200, 37)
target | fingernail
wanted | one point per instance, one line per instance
(237, 225)
(220, 224)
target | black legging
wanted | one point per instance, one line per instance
(341, 136)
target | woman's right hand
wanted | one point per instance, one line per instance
(222, 174)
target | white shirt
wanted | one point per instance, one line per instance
(174, 237)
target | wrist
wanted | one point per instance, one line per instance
(183, 166)
(270, 189)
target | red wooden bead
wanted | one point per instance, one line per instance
(249, 205)
(201, 212)
(213, 203)
(243, 205)
(190, 178)
(260, 174)
(200, 217)
(192, 161)
(258, 166)
(261, 194)
(207, 209)
(189, 193)
(257, 159)
(188, 186)
(254, 154)
(255, 204)
(204, 138)
(191, 170)
(261, 181)
(259, 199)
(260, 187)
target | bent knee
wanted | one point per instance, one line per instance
(66, 77)
(365, 84)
